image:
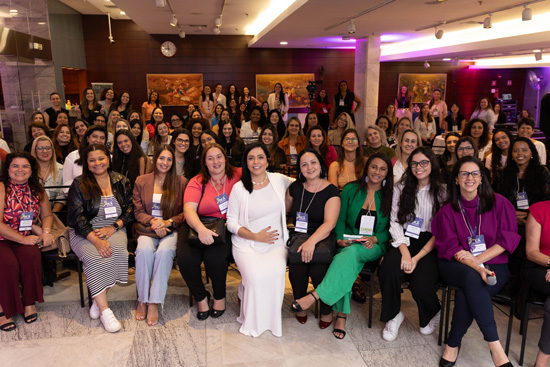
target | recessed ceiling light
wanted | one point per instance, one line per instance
(41, 23)
(536, 50)
(284, 43)
(446, 59)
(13, 11)
(122, 13)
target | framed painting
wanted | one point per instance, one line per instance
(176, 89)
(422, 86)
(293, 84)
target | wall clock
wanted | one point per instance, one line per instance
(168, 48)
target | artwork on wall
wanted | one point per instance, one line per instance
(176, 89)
(293, 84)
(421, 86)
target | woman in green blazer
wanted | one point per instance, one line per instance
(363, 235)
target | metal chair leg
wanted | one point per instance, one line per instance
(441, 315)
(524, 333)
(79, 270)
(371, 297)
(510, 322)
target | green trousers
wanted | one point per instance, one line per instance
(335, 289)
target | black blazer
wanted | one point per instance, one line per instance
(82, 210)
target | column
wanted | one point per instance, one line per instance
(366, 81)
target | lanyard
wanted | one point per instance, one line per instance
(311, 201)
(517, 178)
(474, 231)
(369, 203)
(223, 191)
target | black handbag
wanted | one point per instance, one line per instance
(216, 225)
(324, 250)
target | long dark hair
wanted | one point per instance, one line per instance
(496, 164)
(323, 149)
(274, 160)
(533, 177)
(84, 103)
(447, 156)
(84, 143)
(324, 168)
(137, 122)
(322, 100)
(359, 161)
(484, 190)
(468, 139)
(387, 187)
(170, 185)
(73, 143)
(88, 184)
(34, 181)
(236, 94)
(127, 162)
(408, 200)
(188, 155)
(246, 178)
(281, 94)
(229, 170)
(157, 102)
(221, 138)
(484, 138)
(306, 123)
(203, 94)
(118, 102)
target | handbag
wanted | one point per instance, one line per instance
(324, 249)
(143, 230)
(216, 225)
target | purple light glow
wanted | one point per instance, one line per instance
(394, 37)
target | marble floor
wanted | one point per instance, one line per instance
(66, 336)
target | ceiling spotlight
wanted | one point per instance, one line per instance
(161, 3)
(174, 21)
(526, 14)
(488, 23)
(216, 30)
(426, 64)
(351, 27)
(346, 38)
(218, 22)
(182, 33)
(14, 11)
(538, 55)
(122, 13)
(283, 43)
(447, 59)
(439, 33)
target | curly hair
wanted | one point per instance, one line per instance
(34, 181)
(484, 138)
(496, 164)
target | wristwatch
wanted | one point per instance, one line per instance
(171, 223)
(115, 226)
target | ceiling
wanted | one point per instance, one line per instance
(406, 26)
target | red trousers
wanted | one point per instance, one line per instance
(19, 264)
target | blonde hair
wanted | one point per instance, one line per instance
(52, 169)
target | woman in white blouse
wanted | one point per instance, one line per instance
(416, 199)
(425, 125)
(257, 218)
(278, 100)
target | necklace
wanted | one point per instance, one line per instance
(260, 183)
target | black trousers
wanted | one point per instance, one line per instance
(299, 275)
(215, 262)
(535, 275)
(422, 282)
(472, 299)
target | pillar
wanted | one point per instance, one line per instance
(366, 81)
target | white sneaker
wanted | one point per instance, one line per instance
(392, 327)
(109, 321)
(94, 311)
(430, 328)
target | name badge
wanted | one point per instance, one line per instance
(325, 110)
(110, 208)
(25, 224)
(342, 102)
(301, 222)
(455, 128)
(522, 200)
(222, 202)
(293, 159)
(156, 211)
(367, 225)
(255, 134)
(477, 244)
(414, 227)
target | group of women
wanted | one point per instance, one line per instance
(426, 218)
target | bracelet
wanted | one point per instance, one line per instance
(47, 230)
(548, 263)
(424, 250)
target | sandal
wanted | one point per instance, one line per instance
(295, 306)
(358, 294)
(8, 326)
(152, 321)
(343, 332)
(140, 316)
(31, 318)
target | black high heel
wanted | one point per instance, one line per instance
(340, 331)
(295, 306)
(445, 363)
(203, 315)
(216, 313)
(8, 326)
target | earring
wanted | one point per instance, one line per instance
(384, 183)
(367, 179)
(300, 175)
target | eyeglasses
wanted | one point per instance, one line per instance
(40, 149)
(422, 164)
(351, 140)
(182, 141)
(461, 149)
(465, 174)
(100, 120)
(175, 120)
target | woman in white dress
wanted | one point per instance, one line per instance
(259, 239)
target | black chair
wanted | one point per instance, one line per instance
(533, 299)
(368, 273)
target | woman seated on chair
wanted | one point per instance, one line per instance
(416, 199)
(537, 269)
(474, 228)
(362, 233)
(99, 207)
(314, 196)
(158, 202)
(22, 201)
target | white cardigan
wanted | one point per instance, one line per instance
(272, 101)
(237, 212)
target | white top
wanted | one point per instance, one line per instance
(423, 209)
(485, 151)
(247, 134)
(489, 160)
(423, 130)
(238, 211)
(220, 99)
(71, 169)
(55, 194)
(398, 171)
(266, 213)
(4, 145)
(272, 101)
(541, 148)
(487, 115)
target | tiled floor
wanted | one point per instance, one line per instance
(65, 336)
